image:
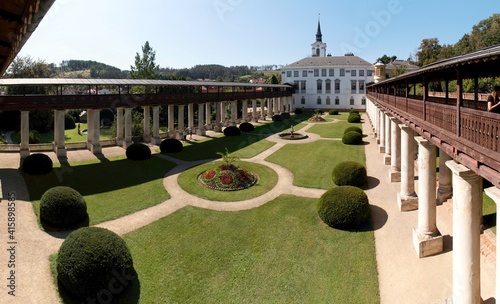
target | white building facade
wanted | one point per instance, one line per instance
(328, 82)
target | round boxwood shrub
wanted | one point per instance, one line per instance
(354, 118)
(344, 207)
(138, 151)
(90, 258)
(232, 131)
(171, 145)
(352, 138)
(62, 207)
(69, 122)
(333, 112)
(349, 173)
(298, 111)
(37, 164)
(246, 127)
(277, 118)
(353, 111)
(353, 128)
(286, 115)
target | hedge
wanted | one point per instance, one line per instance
(138, 151)
(349, 173)
(37, 164)
(171, 145)
(62, 207)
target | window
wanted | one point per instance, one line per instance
(288, 73)
(361, 72)
(303, 100)
(361, 87)
(342, 72)
(328, 100)
(353, 86)
(316, 73)
(323, 72)
(363, 101)
(295, 73)
(353, 73)
(369, 73)
(337, 101)
(351, 101)
(296, 86)
(337, 86)
(331, 72)
(304, 73)
(303, 86)
(319, 100)
(319, 86)
(328, 86)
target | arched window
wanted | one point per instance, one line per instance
(319, 100)
(337, 86)
(319, 86)
(328, 86)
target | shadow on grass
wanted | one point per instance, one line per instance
(489, 220)
(63, 232)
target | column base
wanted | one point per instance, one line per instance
(381, 149)
(217, 128)
(208, 127)
(201, 132)
(126, 143)
(427, 245)
(443, 195)
(450, 300)
(378, 141)
(255, 119)
(394, 176)
(407, 203)
(375, 136)
(60, 152)
(146, 138)
(94, 148)
(24, 152)
(156, 140)
(387, 159)
(119, 141)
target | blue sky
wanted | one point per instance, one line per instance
(185, 33)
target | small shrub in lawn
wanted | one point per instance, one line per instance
(62, 207)
(286, 115)
(171, 145)
(138, 151)
(344, 207)
(354, 118)
(353, 111)
(37, 164)
(232, 131)
(349, 173)
(298, 111)
(353, 128)
(352, 138)
(277, 118)
(92, 257)
(69, 122)
(246, 127)
(34, 137)
(333, 112)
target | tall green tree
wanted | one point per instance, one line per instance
(386, 59)
(428, 51)
(145, 66)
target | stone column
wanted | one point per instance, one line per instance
(208, 116)
(201, 121)
(90, 128)
(375, 123)
(244, 110)
(119, 126)
(222, 114)
(171, 121)
(395, 172)
(381, 147)
(407, 198)
(426, 237)
(180, 122)
(270, 107)
(191, 116)
(24, 147)
(218, 118)
(467, 214)
(59, 139)
(444, 191)
(128, 128)
(387, 129)
(494, 194)
(234, 112)
(156, 140)
(147, 124)
(262, 109)
(93, 131)
(254, 111)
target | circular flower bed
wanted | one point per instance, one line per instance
(227, 178)
(317, 119)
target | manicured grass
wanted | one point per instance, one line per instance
(267, 180)
(278, 253)
(340, 116)
(69, 135)
(489, 213)
(333, 130)
(111, 188)
(312, 163)
(245, 146)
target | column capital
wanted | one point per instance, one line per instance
(493, 193)
(395, 120)
(462, 171)
(422, 141)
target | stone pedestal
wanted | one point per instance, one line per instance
(427, 245)
(381, 140)
(407, 202)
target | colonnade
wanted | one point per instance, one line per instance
(455, 180)
(268, 108)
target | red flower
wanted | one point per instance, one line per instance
(210, 174)
(226, 179)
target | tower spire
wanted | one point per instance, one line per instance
(319, 36)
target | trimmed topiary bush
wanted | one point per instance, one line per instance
(91, 259)
(344, 207)
(354, 118)
(62, 207)
(352, 138)
(353, 128)
(246, 127)
(277, 118)
(138, 151)
(286, 115)
(69, 122)
(37, 164)
(353, 111)
(298, 111)
(349, 173)
(171, 145)
(232, 131)
(333, 112)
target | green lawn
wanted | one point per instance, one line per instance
(111, 188)
(312, 163)
(267, 180)
(332, 130)
(278, 253)
(69, 135)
